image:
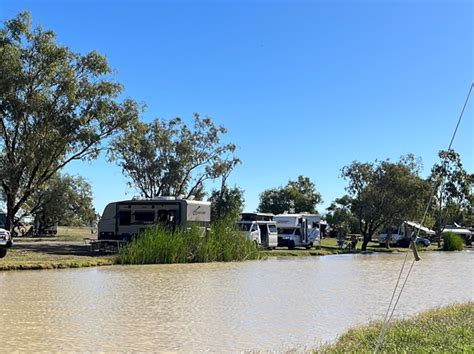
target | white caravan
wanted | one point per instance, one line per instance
(259, 228)
(298, 230)
(124, 219)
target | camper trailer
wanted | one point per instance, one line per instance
(259, 228)
(298, 230)
(125, 219)
(401, 236)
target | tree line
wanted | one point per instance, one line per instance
(59, 106)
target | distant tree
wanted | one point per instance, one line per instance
(384, 193)
(64, 200)
(340, 217)
(299, 195)
(56, 106)
(169, 158)
(226, 203)
(454, 198)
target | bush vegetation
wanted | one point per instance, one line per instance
(444, 330)
(452, 242)
(158, 245)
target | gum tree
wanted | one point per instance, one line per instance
(384, 193)
(56, 106)
(167, 157)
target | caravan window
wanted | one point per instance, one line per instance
(125, 217)
(272, 228)
(244, 227)
(144, 216)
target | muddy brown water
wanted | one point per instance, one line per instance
(270, 305)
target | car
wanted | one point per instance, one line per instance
(5, 242)
(422, 241)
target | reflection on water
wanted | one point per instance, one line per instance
(261, 305)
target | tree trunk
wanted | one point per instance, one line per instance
(365, 243)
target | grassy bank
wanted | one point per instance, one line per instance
(448, 330)
(47, 257)
(157, 245)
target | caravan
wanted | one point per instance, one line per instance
(298, 230)
(259, 228)
(124, 219)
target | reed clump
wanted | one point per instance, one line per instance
(452, 242)
(159, 245)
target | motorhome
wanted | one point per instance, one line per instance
(259, 228)
(125, 219)
(298, 230)
(5, 236)
(401, 236)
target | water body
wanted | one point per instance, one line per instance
(275, 304)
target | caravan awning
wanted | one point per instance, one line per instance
(420, 227)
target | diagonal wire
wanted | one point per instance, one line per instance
(386, 321)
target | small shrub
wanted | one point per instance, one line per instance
(159, 245)
(452, 242)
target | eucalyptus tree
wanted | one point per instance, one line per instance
(63, 200)
(297, 196)
(454, 199)
(167, 157)
(56, 106)
(383, 193)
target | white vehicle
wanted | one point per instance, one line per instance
(259, 228)
(125, 219)
(401, 236)
(298, 230)
(5, 242)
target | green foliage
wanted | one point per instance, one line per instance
(169, 158)
(226, 203)
(63, 200)
(297, 196)
(340, 217)
(445, 330)
(385, 193)
(159, 245)
(452, 242)
(56, 106)
(454, 197)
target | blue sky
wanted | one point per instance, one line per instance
(304, 88)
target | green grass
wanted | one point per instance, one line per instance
(444, 330)
(17, 259)
(452, 242)
(158, 245)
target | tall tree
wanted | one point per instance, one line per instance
(169, 158)
(297, 196)
(454, 198)
(56, 106)
(63, 200)
(385, 193)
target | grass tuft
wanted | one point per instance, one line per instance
(452, 242)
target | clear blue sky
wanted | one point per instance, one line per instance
(304, 88)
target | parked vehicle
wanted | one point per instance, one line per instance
(298, 230)
(401, 236)
(5, 242)
(259, 228)
(125, 219)
(464, 232)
